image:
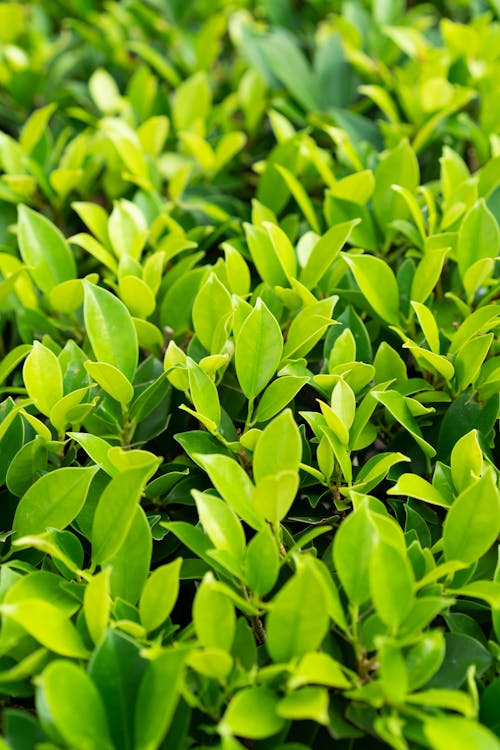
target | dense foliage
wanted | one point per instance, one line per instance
(250, 377)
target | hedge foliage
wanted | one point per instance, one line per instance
(250, 375)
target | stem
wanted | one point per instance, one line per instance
(258, 629)
(279, 542)
(249, 414)
(257, 626)
(354, 611)
(128, 428)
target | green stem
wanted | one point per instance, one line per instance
(257, 626)
(279, 542)
(128, 428)
(354, 612)
(249, 414)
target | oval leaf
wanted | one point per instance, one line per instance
(53, 501)
(44, 250)
(473, 521)
(110, 329)
(71, 707)
(377, 283)
(258, 350)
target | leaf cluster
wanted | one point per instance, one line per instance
(250, 375)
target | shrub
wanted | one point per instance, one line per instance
(250, 375)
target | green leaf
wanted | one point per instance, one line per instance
(238, 273)
(211, 662)
(378, 284)
(64, 548)
(480, 321)
(308, 327)
(47, 624)
(110, 329)
(343, 404)
(352, 550)
(428, 325)
(12, 359)
(70, 707)
(487, 591)
(488, 713)
(320, 669)
(66, 409)
(478, 275)
(191, 101)
(279, 447)
(469, 359)
(277, 395)
(36, 125)
(297, 75)
(115, 513)
(116, 669)
(391, 583)
(97, 449)
(478, 237)
(262, 562)
(298, 620)
(274, 495)
(454, 700)
(252, 714)
(212, 309)
(388, 365)
(159, 595)
(427, 274)
(137, 296)
(325, 251)
(467, 734)
(462, 651)
(128, 147)
(134, 458)
(97, 604)
(303, 201)
(41, 584)
(156, 60)
(131, 563)
(104, 91)
(392, 672)
(397, 406)
(464, 414)
(43, 378)
(375, 469)
(220, 524)
(264, 256)
(111, 380)
(258, 350)
(473, 521)
(96, 249)
(415, 486)
(283, 249)
(466, 460)
(399, 167)
(305, 703)
(233, 484)
(214, 619)
(95, 217)
(44, 250)
(203, 392)
(428, 361)
(196, 541)
(53, 501)
(27, 465)
(424, 658)
(227, 148)
(155, 706)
